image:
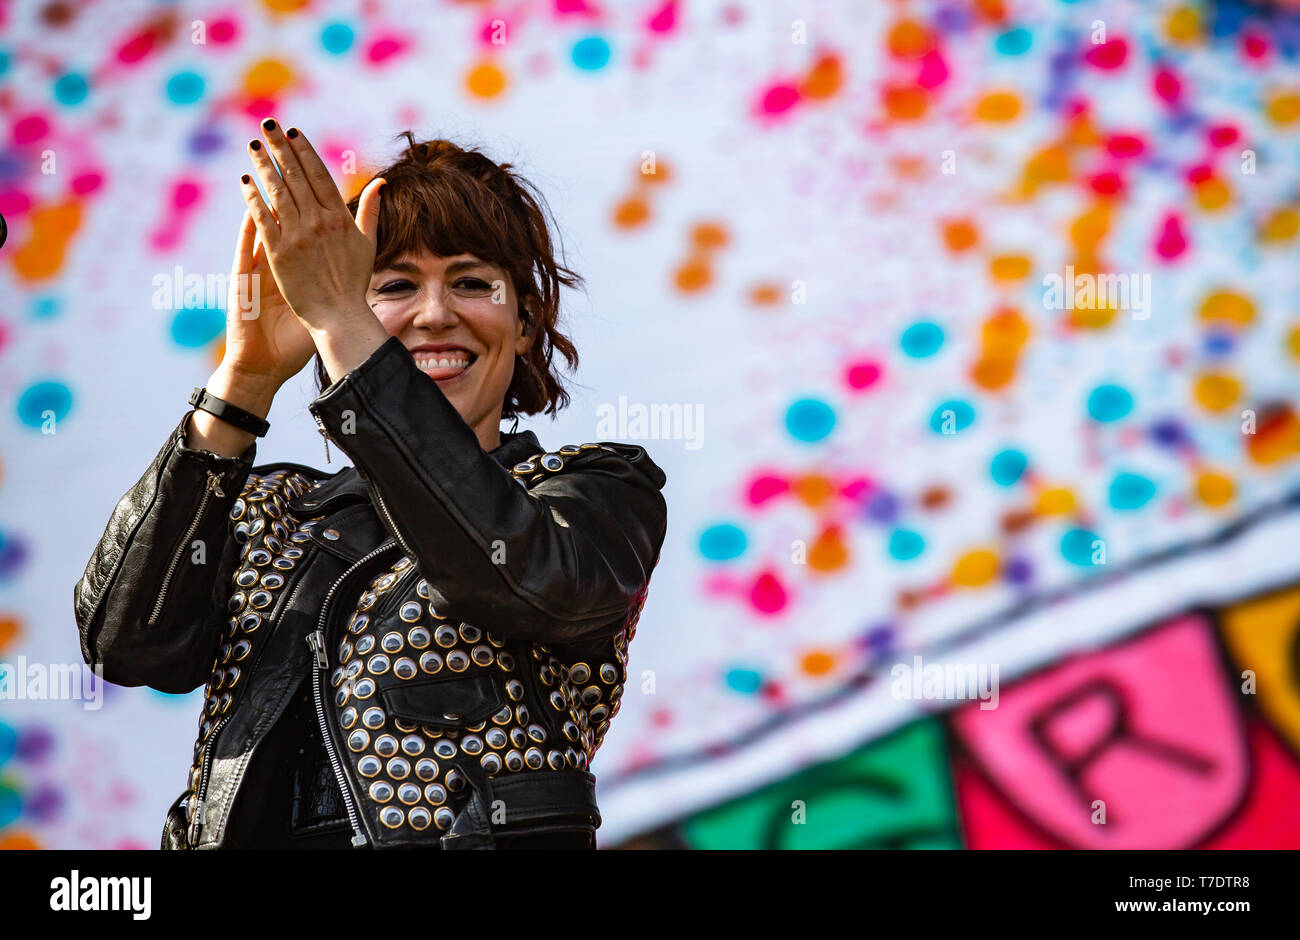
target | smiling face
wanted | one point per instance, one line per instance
(458, 317)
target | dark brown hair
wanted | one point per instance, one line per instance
(450, 201)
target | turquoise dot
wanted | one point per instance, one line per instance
(45, 308)
(42, 397)
(1014, 41)
(198, 326)
(922, 339)
(1008, 467)
(337, 38)
(904, 544)
(591, 53)
(809, 419)
(1109, 403)
(1077, 547)
(722, 542)
(4, 61)
(8, 742)
(185, 87)
(1131, 491)
(11, 805)
(952, 416)
(744, 680)
(71, 89)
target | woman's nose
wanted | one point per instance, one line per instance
(433, 311)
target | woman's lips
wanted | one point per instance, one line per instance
(445, 375)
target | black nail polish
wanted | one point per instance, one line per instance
(255, 144)
(245, 178)
(268, 124)
(291, 133)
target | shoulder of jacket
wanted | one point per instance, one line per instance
(543, 464)
(284, 478)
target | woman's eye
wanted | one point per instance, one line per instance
(393, 287)
(473, 283)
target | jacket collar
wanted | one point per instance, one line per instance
(347, 483)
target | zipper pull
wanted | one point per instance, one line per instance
(325, 434)
(316, 640)
(214, 483)
(196, 822)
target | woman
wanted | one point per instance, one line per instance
(422, 650)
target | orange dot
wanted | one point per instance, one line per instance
(694, 275)
(654, 174)
(1090, 227)
(1227, 307)
(1276, 437)
(1009, 267)
(909, 39)
(905, 102)
(485, 81)
(1212, 194)
(10, 628)
(1005, 331)
(266, 78)
(1049, 165)
(1183, 24)
(1055, 501)
(998, 107)
(1214, 489)
(975, 569)
(991, 10)
(1097, 317)
(217, 352)
(960, 235)
(1281, 226)
(631, 212)
(1293, 342)
(708, 236)
(1283, 108)
(766, 295)
(993, 372)
(824, 79)
(1216, 391)
(814, 490)
(50, 233)
(18, 842)
(829, 552)
(285, 6)
(1016, 520)
(817, 663)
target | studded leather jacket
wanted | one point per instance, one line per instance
(457, 620)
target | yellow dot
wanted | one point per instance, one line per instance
(1183, 24)
(1281, 226)
(975, 568)
(817, 663)
(1283, 108)
(1005, 331)
(998, 107)
(1055, 501)
(1212, 194)
(485, 81)
(1214, 489)
(1293, 342)
(1009, 267)
(265, 79)
(1227, 307)
(1087, 231)
(1216, 391)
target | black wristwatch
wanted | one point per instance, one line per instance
(202, 399)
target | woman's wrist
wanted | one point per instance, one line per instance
(252, 393)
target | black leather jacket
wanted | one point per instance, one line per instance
(458, 619)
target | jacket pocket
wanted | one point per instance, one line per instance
(450, 702)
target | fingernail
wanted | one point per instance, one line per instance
(268, 124)
(291, 133)
(255, 144)
(245, 178)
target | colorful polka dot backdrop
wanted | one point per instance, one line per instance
(976, 327)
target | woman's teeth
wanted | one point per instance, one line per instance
(453, 364)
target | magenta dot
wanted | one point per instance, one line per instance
(779, 99)
(222, 31)
(31, 128)
(87, 183)
(862, 374)
(185, 195)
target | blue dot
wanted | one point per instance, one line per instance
(722, 542)
(591, 53)
(952, 416)
(1018, 571)
(45, 308)
(206, 140)
(1219, 342)
(185, 87)
(42, 397)
(1131, 491)
(10, 805)
(1109, 403)
(1014, 41)
(1077, 547)
(744, 680)
(337, 38)
(197, 326)
(922, 339)
(71, 89)
(1008, 467)
(882, 506)
(809, 419)
(4, 61)
(904, 544)
(1168, 432)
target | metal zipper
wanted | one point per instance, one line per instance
(325, 434)
(213, 485)
(196, 802)
(316, 643)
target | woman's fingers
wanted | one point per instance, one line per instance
(245, 244)
(268, 227)
(277, 189)
(315, 172)
(291, 171)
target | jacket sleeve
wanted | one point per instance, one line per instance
(563, 561)
(150, 605)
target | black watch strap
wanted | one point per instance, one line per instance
(202, 399)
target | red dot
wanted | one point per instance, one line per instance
(1107, 55)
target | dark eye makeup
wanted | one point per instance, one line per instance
(471, 283)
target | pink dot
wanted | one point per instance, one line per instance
(1200, 174)
(764, 488)
(934, 71)
(767, 595)
(186, 195)
(1107, 55)
(385, 47)
(1171, 242)
(862, 375)
(30, 128)
(222, 31)
(1123, 146)
(852, 489)
(779, 99)
(1223, 135)
(14, 203)
(87, 183)
(1106, 184)
(1168, 86)
(1254, 45)
(663, 20)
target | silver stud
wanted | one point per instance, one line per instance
(331, 534)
